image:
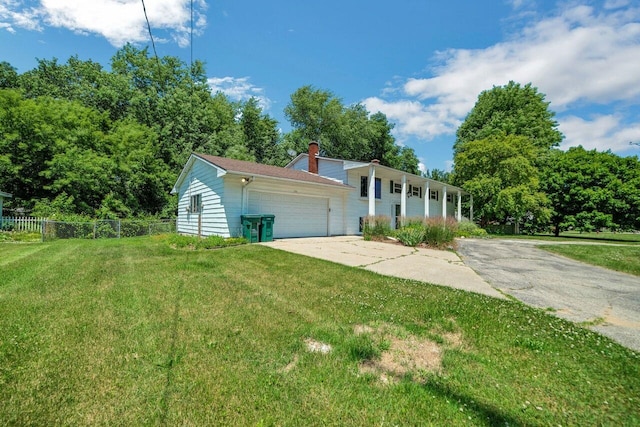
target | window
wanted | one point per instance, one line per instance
(395, 187)
(449, 198)
(416, 191)
(196, 203)
(434, 195)
(364, 187)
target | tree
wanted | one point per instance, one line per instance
(590, 190)
(8, 76)
(500, 173)
(510, 110)
(260, 131)
(439, 175)
(343, 132)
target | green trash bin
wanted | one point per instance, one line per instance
(266, 229)
(250, 227)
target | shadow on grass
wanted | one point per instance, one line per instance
(171, 359)
(489, 414)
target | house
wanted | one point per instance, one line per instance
(3, 196)
(311, 196)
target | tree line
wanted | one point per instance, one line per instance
(76, 138)
(506, 154)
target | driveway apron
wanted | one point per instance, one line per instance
(574, 290)
(427, 265)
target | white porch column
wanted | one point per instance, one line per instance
(444, 202)
(372, 190)
(403, 200)
(459, 214)
(471, 208)
(427, 197)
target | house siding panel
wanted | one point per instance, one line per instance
(203, 179)
(328, 168)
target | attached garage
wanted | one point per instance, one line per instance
(295, 215)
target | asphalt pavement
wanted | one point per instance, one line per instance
(574, 290)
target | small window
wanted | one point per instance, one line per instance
(416, 191)
(196, 203)
(434, 195)
(396, 187)
(364, 187)
(449, 198)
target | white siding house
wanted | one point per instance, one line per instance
(213, 193)
(311, 196)
(381, 190)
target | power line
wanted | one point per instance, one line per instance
(150, 35)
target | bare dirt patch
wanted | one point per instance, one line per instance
(406, 354)
(317, 347)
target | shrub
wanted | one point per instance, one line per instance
(411, 235)
(376, 227)
(440, 232)
(470, 229)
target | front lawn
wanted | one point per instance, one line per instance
(135, 332)
(619, 258)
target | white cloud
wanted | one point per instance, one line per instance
(119, 21)
(13, 14)
(601, 132)
(422, 167)
(239, 89)
(448, 166)
(579, 57)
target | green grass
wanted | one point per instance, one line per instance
(619, 258)
(605, 237)
(133, 332)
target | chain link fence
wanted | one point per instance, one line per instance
(105, 229)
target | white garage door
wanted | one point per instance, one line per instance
(296, 216)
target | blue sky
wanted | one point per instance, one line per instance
(422, 63)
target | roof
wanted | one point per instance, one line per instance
(3, 194)
(256, 169)
(354, 164)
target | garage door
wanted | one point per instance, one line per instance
(296, 216)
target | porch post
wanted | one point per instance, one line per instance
(403, 200)
(427, 198)
(372, 190)
(459, 215)
(444, 202)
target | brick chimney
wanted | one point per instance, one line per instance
(313, 157)
(375, 161)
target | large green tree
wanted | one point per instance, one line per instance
(511, 110)
(346, 132)
(500, 172)
(504, 179)
(589, 190)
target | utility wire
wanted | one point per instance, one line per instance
(151, 35)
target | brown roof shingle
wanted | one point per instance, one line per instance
(251, 168)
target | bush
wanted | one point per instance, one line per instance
(376, 227)
(470, 229)
(440, 232)
(411, 235)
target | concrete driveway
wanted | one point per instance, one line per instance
(426, 265)
(576, 291)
